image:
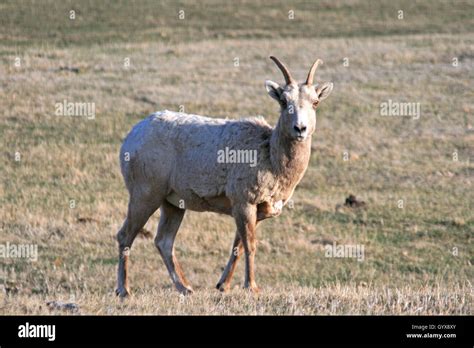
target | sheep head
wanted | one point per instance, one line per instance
(298, 102)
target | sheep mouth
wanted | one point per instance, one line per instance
(300, 138)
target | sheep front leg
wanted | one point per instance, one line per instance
(224, 283)
(245, 216)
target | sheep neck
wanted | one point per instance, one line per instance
(289, 158)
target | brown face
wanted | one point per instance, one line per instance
(298, 103)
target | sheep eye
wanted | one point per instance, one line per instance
(315, 103)
(283, 103)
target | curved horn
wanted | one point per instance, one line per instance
(309, 79)
(284, 70)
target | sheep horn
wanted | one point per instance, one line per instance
(309, 79)
(286, 73)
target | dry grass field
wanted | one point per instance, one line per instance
(61, 187)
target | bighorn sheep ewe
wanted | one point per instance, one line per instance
(169, 160)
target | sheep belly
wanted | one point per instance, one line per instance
(220, 204)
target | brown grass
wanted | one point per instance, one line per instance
(410, 266)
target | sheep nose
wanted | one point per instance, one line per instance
(299, 129)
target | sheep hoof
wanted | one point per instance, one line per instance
(222, 287)
(123, 293)
(183, 290)
(253, 289)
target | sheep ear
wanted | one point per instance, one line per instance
(324, 90)
(274, 90)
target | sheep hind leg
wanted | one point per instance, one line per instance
(170, 221)
(139, 211)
